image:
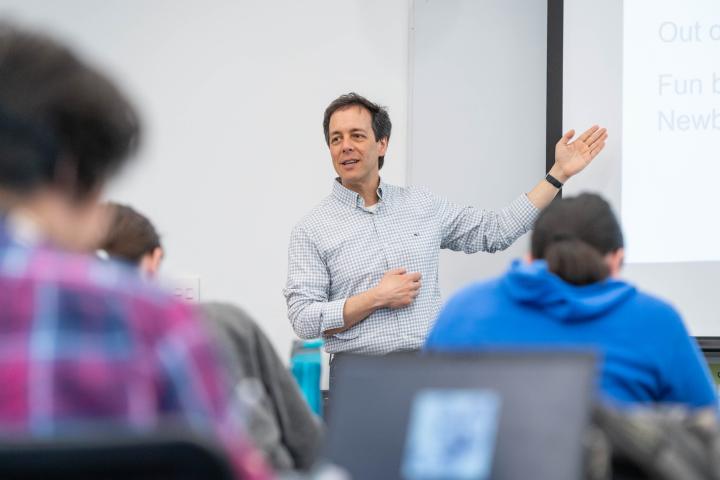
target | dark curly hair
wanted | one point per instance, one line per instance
(61, 122)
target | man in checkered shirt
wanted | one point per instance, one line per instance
(363, 264)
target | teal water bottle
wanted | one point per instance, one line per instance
(305, 364)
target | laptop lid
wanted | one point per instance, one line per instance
(498, 415)
(710, 347)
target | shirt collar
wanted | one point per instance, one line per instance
(353, 199)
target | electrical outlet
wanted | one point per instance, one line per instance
(185, 287)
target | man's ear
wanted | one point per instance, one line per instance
(528, 258)
(382, 146)
(150, 262)
(615, 261)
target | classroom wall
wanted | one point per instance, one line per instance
(232, 95)
(478, 129)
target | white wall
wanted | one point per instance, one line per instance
(232, 94)
(478, 129)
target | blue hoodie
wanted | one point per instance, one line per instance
(647, 354)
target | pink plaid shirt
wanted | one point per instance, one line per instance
(85, 341)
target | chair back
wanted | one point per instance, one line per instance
(165, 455)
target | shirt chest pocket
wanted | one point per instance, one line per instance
(415, 251)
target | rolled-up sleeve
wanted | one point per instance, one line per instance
(473, 230)
(307, 289)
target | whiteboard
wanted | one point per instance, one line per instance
(477, 112)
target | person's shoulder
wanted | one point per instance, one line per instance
(103, 295)
(228, 315)
(413, 191)
(481, 295)
(658, 312)
(88, 277)
(653, 303)
(418, 195)
(475, 292)
(462, 312)
(317, 215)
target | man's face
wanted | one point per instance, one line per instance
(353, 146)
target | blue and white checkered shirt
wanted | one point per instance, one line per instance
(341, 249)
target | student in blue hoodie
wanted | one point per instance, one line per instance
(568, 294)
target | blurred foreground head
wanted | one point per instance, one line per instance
(65, 129)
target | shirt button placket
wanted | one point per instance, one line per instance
(384, 232)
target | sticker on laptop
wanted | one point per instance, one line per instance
(451, 435)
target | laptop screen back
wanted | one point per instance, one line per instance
(497, 415)
(710, 347)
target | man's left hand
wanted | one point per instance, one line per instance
(573, 157)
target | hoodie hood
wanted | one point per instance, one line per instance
(534, 285)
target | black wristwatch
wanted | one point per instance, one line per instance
(553, 181)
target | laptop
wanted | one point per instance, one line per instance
(710, 347)
(493, 415)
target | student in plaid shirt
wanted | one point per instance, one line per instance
(84, 343)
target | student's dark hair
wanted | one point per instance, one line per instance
(131, 235)
(381, 124)
(574, 234)
(61, 121)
